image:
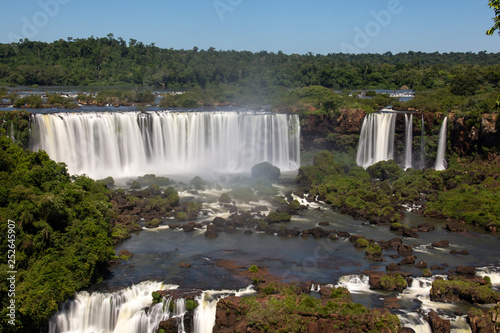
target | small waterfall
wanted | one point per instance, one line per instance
(355, 283)
(408, 141)
(376, 141)
(127, 144)
(423, 163)
(440, 158)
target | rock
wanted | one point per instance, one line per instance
(480, 321)
(464, 252)
(391, 303)
(248, 232)
(454, 226)
(343, 234)
(425, 227)
(324, 223)
(407, 232)
(391, 244)
(125, 254)
(405, 250)
(219, 222)
(421, 264)
(257, 209)
(265, 170)
(184, 265)
(189, 227)
(325, 292)
(174, 226)
(438, 324)
(436, 267)
(466, 270)
(392, 267)
(169, 326)
(406, 330)
(408, 260)
(211, 233)
(442, 243)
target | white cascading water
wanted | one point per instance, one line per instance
(130, 311)
(408, 141)
(376, 141)
(125, 144)
(440, 158)
(422, 145)
(122, 311)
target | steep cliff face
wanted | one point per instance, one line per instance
(467, 135)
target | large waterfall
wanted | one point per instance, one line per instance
(133, 143)
(376, 141)
(131, 311)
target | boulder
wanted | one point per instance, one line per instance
(392, 267)
(421, 264)
(407, 232)
(438, 324)
(442, 243)
(408, 260)
(184, 265)
(466, 270)
(405, 250)
(169, 326)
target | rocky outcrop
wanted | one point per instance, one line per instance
(438, 324)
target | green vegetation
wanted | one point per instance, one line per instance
(62, 227)
(393, 282)
(110, 61)
(290, 312)
(149, 179)
(253, 269)
(225, 198)
(466, 192)
(275, 217)
(245, 194)
(462, 290)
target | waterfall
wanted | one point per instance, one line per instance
(376, 141)
(166, 142)
(440, 158)
(122, 311)
(422, 145)
(130, 311)
(408, 141)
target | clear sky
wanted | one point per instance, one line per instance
(291, 26)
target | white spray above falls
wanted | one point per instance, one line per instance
(133, 143)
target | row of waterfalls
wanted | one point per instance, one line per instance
(376, 142)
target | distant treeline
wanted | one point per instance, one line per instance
(110, 61)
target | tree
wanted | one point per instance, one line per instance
(495, 5)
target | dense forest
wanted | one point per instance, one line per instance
(109, 61)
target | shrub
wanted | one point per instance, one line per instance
(275, 217)
(253, 269)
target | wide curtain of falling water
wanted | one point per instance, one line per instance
(125, 144)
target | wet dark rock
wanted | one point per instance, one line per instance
(174, 226)
(480, 321)
(464, 252)
(231, 208)
(438, 324)
(317, 232)
(405, 250)
(184, 265)
(188, 227)
(436, 267)
(466, 270)
(442, 243)
(125, 253)
(391, 244)
(421, 264)
(406, 330)
(392, 267)
(211, 233)
(408, 260)
(257, 209)
(454, 226)
(425, 227)
(343, 234)
(248, 232)
(169, 326)
(407, 232)
(392, 303)
(324, 223)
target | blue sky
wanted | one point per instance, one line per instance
(291, 26)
